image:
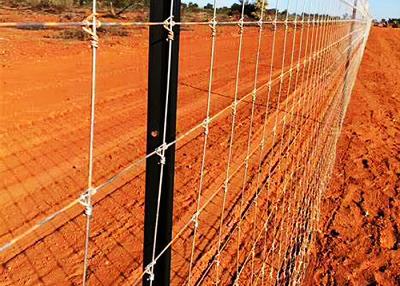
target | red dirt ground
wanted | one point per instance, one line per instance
(45, 88)
(360, 239)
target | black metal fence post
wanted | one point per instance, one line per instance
(157, 90)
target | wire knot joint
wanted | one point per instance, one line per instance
(149, 271)
(234, 107)
(90, 23)
(241, 25)
(213, 26)
(160, 151)
(169, 24)
(260, 23)
(195, 220)
(84, 201)
(206, 125)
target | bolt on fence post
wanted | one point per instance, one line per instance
(163, 67)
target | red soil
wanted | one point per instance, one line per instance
(360, 239)
(44, 124)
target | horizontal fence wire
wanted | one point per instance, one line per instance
(147, 24)
(261, 152)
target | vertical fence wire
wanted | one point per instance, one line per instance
(249, 137)
(87, 199)
(169, 25)
(231, 138)
(206, 126)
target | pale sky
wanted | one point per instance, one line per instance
(385, 8)
(379, 8)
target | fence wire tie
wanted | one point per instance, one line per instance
(260, 23)
(160, 151)
(234, 107)
(213, 26)
(169, 26)
(149, 271)
(88, 28)
(254, 95)
(84, 201)
(206, 125)
(241, 25)
(195, 219)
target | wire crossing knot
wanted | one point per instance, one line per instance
(169, 24)
(160, 151)
(213, 26)
(149, 271)
(241, 25)
(89, 23)
(84, 201)
(206, 125)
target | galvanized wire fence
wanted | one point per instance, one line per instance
(242, 153)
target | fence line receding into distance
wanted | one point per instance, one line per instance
(241, 143)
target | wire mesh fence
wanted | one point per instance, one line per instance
(259, 107)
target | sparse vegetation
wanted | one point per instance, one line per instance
(252, 8)
(395, 23)
(391, 22)
(64, 4)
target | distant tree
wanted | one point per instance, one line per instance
(261, 7)
(283, 13)
(193, 5)
(248, 8)
(224, 10)
(395, 23)
(252, 9)
(209, 6)
(236, 7)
